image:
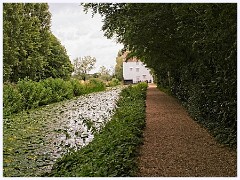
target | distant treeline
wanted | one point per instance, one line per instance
(29, 47)
(192, 49)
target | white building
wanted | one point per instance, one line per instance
(135, 71)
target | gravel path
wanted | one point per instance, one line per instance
(176, 146)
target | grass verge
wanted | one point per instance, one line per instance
(114, 150)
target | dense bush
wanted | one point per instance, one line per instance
(94, 85)
(113, 82)
(12, 99)
(31, 92)
(78, 88)
(113, 150)
(212, 98)
(27, 94)
(58, 89)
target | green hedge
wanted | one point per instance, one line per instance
(28, 94)
(12, 99)
(95, 85)
(113, 82)
(210, 96)
(78, 88)
(212, 100)
(209, 92)
(113, 151)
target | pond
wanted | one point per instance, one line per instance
(34, 139)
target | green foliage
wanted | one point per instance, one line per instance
(83, 65)
(113, 82)
(192, 49)
(119, 67)
(94, 85)
(29, 48)
(114, 150)
(12, 99)
(28, 94)
(104, 74)
(59, 64)
(60, 89)
(31, 92)
(78, 88)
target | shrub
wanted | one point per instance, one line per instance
(208, 89)
(113, 82)
(46, 94)
(31, 92)
(27, 94)
(12, 100)
(60, 89)
(113, 150)
(78, 88)
(95, 85)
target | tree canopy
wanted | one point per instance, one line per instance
(83, 65)
(29, 48)
(104, 73)
(193, 45)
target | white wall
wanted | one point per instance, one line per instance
(130, 72)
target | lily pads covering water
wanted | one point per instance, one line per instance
(34, 139)
(114, 150)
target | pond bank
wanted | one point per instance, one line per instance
(34, 139)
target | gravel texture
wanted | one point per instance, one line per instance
(176, 146)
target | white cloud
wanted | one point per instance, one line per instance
(81, 34)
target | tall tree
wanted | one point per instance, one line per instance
(104, 73)
(11, 32)
(83, 65)
(27, 43)
(59, 64)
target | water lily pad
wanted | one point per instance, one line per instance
(47, 133)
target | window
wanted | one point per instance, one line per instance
(131, 69)
(137, 69)
(144, 76)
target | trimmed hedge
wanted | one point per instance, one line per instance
(113, 151)
(28, 94)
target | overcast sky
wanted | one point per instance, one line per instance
(82, 35)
